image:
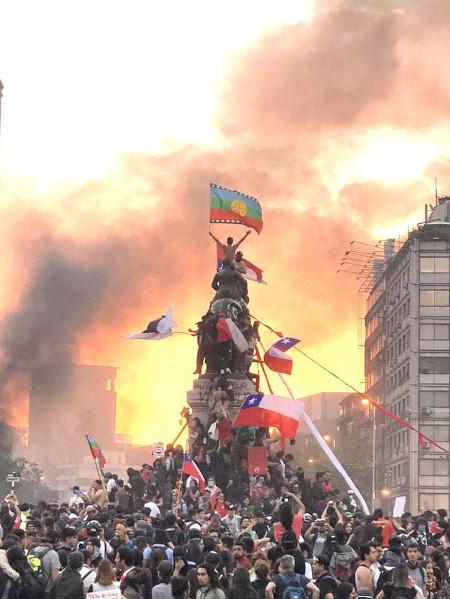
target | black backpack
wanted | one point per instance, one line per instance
(31, 585)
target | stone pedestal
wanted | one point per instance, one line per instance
(201, 397)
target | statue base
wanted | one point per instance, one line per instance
(204, 398)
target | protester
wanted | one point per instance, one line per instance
(69, 585)
(243, 535)
(288, 578)
(208, 583)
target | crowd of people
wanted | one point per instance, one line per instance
(165, 535)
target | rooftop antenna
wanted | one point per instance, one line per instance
(435, 190)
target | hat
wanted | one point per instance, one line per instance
(307, 518)
(231, 506)
(289, 540)
(75, 488)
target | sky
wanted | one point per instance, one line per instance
(115, 119)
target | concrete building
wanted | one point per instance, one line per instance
(325, 409)
(407, 363)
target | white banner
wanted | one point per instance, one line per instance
(111, 594)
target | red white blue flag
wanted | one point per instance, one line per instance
(276, 358)
(191, 468)
(270, 410)
(285, 343)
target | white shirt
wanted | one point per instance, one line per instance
(88, 576)
(110, 485)
(154, 509)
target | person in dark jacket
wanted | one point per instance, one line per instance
(69, 585)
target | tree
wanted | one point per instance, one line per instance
(30, 489)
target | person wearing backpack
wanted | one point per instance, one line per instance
(29, 584)
(324, 581)
(342, 556)
(289, 585)
(401, 587)
(45, 560)
(69, 585)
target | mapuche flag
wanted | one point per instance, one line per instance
(191, 468)
(96, 451)
(276, 358)
(227, 206)
(270, 410)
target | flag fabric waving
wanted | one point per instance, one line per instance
(96, 451)
(228, 206)
(160, 328)
(252, 272)
(191, 468)
(285, 343)
(227, 330)
(278, 361)
(276, 358)
(270, 410)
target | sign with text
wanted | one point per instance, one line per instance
(399, 506)
(111, 594)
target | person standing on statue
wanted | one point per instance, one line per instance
(239, 265)
(229, 249)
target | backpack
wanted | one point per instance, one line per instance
(293, 590)
(34, 559)
(342, 565)
(31, 585)
(385, 576)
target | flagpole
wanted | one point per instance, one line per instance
(325, 447)
(100, 474)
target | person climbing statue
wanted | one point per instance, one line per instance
(229, 249)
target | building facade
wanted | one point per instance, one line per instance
(407, 364)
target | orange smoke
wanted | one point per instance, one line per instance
(298, 121)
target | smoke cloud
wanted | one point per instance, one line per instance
(104, 258)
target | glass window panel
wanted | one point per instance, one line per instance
(427, 265)
(426, 467)
(441, 467)
(427, 331)
(441, 331)
(441, 432)
(441, 264)
(426, 398)
(441, 297)
(427, 298)
(442, 399)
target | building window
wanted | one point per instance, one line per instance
(434, 331)
(434, 297)
(434, 365)
(438, 432)
(433, 501)
(435, 264)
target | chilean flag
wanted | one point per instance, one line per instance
(270, 410)
(227, 330)
(276, 358)
(252, 272)
(191, 468)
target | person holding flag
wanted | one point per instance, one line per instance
(229, 249)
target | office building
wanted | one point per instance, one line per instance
(407, 364)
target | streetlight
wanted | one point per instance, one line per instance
(385, 492)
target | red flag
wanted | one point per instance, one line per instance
(257, 460)
(278, 361)
(191, 468)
